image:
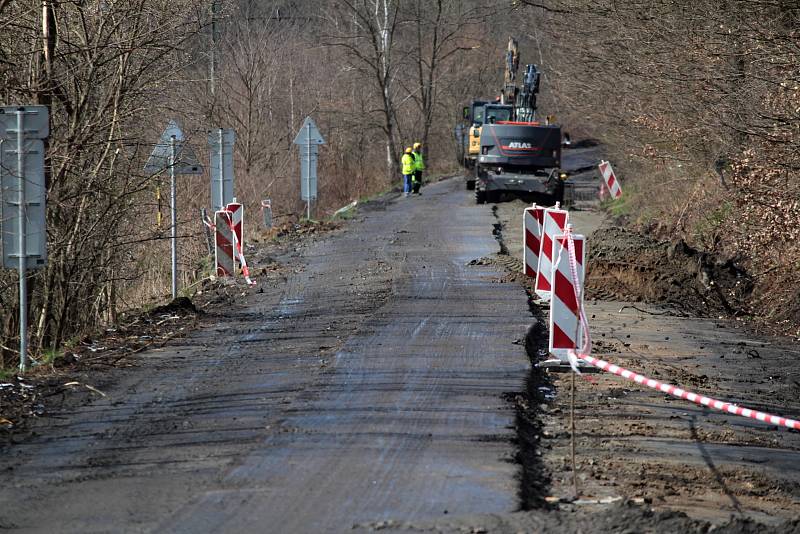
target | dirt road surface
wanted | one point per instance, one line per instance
(368, 386)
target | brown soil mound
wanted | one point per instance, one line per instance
(627, 265)
(178, 305)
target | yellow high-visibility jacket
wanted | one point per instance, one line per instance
(408, 164)
(419, 163)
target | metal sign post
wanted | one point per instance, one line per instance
(307, 161)
(220, 144)
(29, 246)
(173, 209)
(173, 153)
(309, 138)
(23, 257)
(221, 177)
(266, 209)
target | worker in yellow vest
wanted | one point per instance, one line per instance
(408, 165)
(419, 166)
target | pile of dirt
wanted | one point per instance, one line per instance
(628, 265)
(178, 305)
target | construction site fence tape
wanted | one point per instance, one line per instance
(584, 354)
(238, 250)
(702, 400)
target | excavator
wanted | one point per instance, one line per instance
(478, 112)
(514, 152)
(481, 111)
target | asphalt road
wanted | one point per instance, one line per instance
(369, 386)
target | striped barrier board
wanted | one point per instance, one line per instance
(237, 222)
(223, 238)
(532, 232)
(610, 179)
(554, 223)
(566, 328)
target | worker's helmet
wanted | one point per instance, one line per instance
(417, 146)
(408, 150)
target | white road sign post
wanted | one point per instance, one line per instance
(173, 215)
(173, 153)
(220, 143)
(309, 138)
(22, 129)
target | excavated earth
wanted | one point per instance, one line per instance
(628, 265)
(381, 376)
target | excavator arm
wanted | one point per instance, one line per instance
(526, 105)
(509, 93)
(523, 100)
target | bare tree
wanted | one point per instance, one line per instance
(97, 67)
(694, 102)
(366, 30)
(440, 30)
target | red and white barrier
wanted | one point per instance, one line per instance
(237, 221)
(570, 340)
(554, 223)
(610, 179)
(224, 238)
(693, 397)
(566, 304)
(580, 346)
(532, 231)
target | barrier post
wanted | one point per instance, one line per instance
(266, 209)
(223, 251)
(532, 233)
(610, 179)
(554, 223)
(566, 304)
(237, 224)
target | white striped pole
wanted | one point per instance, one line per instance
(237, 223)
(702, 400)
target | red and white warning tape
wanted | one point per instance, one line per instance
(693, 397)
(245, 269)
(584, 354)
